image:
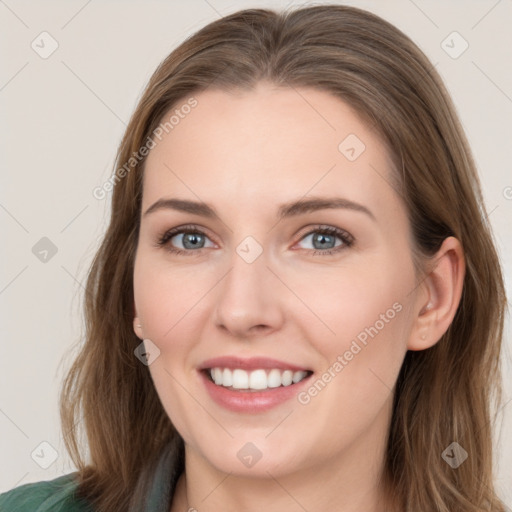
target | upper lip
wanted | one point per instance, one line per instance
(251, 363)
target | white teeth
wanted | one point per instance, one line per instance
(240, 379)
(256, 379)
(217, 375)
(227, 377)
(298, 376)
(287, 378)
(274, 378)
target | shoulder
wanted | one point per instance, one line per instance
(57, 495)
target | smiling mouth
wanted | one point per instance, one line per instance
(255, 380)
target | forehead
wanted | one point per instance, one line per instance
(265, 146)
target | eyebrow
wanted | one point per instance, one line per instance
(286, 210)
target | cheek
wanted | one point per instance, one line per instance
(365, 322)
(167, 298)
(350, 304)
(361, 361)
(167, 305)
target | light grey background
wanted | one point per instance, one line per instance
(62, 119)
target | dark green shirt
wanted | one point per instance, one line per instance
(58, 495)
(54, 495)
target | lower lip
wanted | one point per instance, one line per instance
(251, 401)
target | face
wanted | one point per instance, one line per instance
(301, 315)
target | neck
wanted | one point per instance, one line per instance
(232, 494)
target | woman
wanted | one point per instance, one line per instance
(297, 304)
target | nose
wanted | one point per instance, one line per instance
(249, 299)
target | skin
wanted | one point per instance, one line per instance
(245, 153)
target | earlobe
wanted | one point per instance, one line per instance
(137, 328)
(137, 324)
(439, 297)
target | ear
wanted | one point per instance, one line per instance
(137, 324)
(438, 296)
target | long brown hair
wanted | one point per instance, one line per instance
(444, 394)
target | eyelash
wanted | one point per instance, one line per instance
(344, 236)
